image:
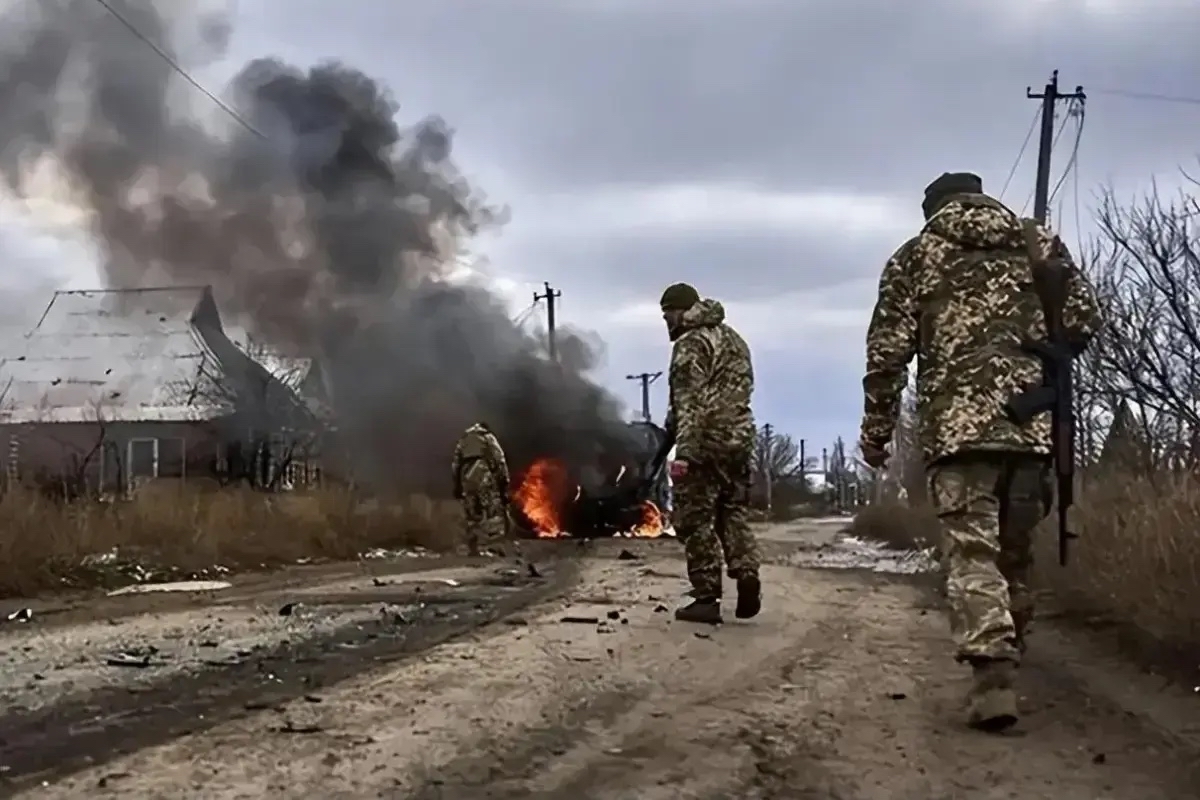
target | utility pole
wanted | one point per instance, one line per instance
(646, 378)
(550, 296)
(1050, 98)
(768, 478)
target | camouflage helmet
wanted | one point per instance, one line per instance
(679, 297)
(947, 184)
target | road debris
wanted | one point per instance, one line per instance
(574, 620)
(20, 615)
(139, 659)
(172, 586)
(626, 555)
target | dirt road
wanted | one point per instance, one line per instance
(842, 688)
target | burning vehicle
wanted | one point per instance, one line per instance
(551, 500)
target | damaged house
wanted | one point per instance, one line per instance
(114, 388)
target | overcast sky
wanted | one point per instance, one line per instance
(772, 152)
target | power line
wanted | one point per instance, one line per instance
(1076, 110)
(521, 318)
(1020, 154)
(1062, 126)
(165, 56)
(1160, 98)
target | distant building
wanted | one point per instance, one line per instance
(113, 388)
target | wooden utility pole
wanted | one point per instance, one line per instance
(1050, 98)
(768, 477)
(550, 296)
(646, 379)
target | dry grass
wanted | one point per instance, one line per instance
(1135, 568)
(1136, 563)
(189, 530)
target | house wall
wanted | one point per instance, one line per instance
(100, 454)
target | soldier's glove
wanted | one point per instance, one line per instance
(875, 456)
(458, 493)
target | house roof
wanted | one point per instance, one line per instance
(118, 355)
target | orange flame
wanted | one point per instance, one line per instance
(651, 524)
(540, 495)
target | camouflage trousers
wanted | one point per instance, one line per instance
(989, 505)
(485, 513)
(710, 513)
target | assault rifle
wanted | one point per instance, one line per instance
(1056, 394)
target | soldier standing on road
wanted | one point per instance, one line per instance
(959, 296)
(481, 483)
(711, 382)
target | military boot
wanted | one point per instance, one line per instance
(705, 610)
(992, 700)
(749, 601)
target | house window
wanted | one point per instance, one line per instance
(143, 458)
(157, 458)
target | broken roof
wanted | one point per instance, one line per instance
(117, 355)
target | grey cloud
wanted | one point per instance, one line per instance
(752, 265)
(868, 96)
(861, 95)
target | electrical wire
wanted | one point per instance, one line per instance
(1062, 126)
(1160, 98)
(1075, 192)
(165, 56)
(523, 317)
(1020, 154)
(1077, 110)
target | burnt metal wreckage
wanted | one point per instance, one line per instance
(616, 506)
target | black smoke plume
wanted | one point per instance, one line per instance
(319, 222)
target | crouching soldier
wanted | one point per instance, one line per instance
(481, 484)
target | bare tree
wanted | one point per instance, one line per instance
(778, 453)
(266, 425)
(1146, 267)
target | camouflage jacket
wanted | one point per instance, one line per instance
(959, 296)
(711, 382)
(479, 444)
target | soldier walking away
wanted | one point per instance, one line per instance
(961, 298)
(481, 483)
(711, 383)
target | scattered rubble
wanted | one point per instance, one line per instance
(379, 553)
(849, 552)
(173, 586)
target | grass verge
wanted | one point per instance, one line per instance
(1133, 576)
(180, 530)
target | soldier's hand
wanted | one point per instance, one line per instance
(875, 456)
(458, 493)
(679, 468)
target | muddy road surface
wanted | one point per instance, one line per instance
(583, 686)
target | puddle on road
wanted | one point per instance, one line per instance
(848, 552)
